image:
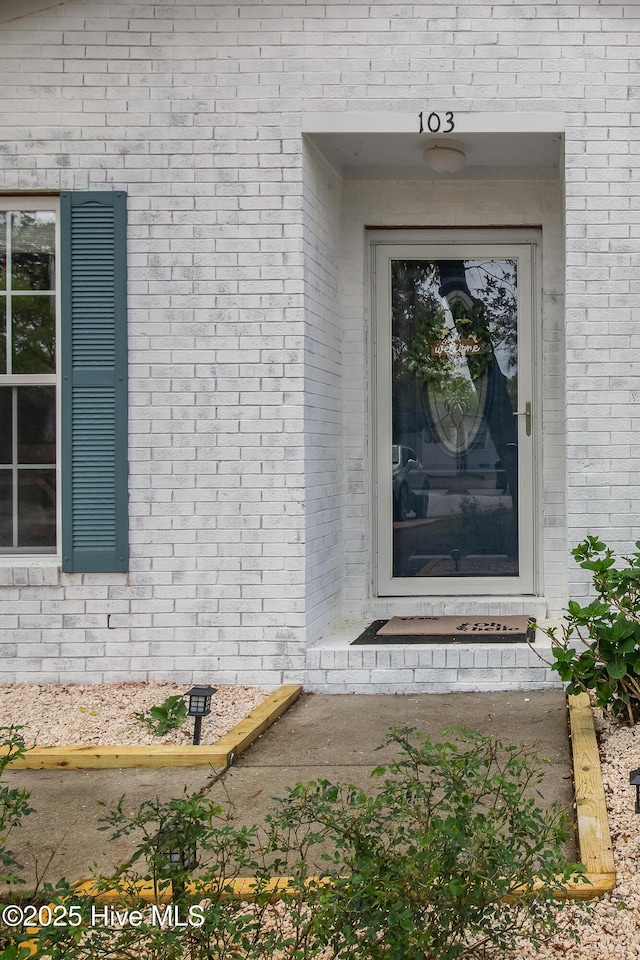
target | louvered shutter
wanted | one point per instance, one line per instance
(94, 382)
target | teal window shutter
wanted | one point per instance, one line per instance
(94, 381)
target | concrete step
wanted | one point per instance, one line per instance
(334, 666)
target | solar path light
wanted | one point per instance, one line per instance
(179, 855)
(634, 780)
(182, 858)
(199, 707)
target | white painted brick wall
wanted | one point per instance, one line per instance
(249, 493)
(328, 487)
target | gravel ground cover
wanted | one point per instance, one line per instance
(62, 714)
(609, 927)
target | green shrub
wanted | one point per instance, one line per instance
(422, 865)
(608, 629)
(14, 804)
(170, 715)
(209, 922)
(418, 868)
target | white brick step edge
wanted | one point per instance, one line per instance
(333, 666)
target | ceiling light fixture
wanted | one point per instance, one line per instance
(444, 156)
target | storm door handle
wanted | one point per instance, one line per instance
(526, 413)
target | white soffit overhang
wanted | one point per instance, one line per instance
(389, 146)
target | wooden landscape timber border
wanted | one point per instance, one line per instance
(218, 754)
(594, 838)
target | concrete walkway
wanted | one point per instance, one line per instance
(334, 737)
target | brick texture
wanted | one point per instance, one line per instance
(250, 470)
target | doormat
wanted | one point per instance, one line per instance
(469, 629)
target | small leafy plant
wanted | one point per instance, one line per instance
(14, 804)
(170, 715)
(607, 629)
(189, 853)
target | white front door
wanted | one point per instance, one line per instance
(454, 418)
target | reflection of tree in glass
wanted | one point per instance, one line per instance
(500, 305)
(32, 251)
(418, 318)
(421, 292)
(424, 347)
(3, 250)
(33, 335)
(414, 308)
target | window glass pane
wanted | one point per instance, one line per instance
(33, 250)
(27, 409)
(36, 425)
(34, 334)
(3, 251)
(5, 425)
(454, 434)
(36, 508)
(3, 333)
(6, 508)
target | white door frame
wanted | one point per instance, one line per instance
(520, 245)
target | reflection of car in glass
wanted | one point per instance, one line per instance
(410, 484)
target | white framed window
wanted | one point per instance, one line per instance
(29, 334)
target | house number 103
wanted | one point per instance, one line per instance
(435, 123)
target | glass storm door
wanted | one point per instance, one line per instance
(454, 419)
